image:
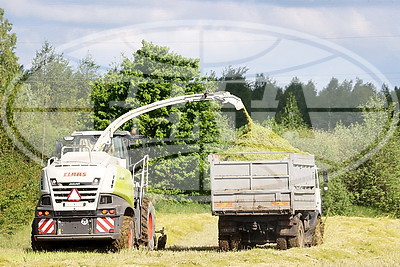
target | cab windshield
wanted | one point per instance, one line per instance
(118, 147)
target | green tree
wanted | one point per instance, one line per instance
(155, 73)
(86, 73)
(265, 96)
(362, 92)
(51, 79)
(294, 97)
(19, 176)
(56, 99)
(375, 183)
(291, 117)
(397, 92)
(340, 101)
(8, 60)
(334, 95)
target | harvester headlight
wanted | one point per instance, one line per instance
(53, 181)
(96, 181)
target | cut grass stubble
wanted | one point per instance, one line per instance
(192, 240)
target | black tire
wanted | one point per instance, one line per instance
(318, 235)
(281, 243)
(223, 244)
(126, 240)
(298, 240)
(39, 245)
(235, 243)
(162, 242)
(148, 224)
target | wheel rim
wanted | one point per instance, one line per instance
(150, 227)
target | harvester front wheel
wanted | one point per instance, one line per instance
(126, 240)
(39, 245)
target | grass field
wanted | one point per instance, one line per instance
(192, 240)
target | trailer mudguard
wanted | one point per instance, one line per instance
(288, 230)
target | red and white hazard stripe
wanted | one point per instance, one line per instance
(104, 224)
(46, 226)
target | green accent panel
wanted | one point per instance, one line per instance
(123, 186)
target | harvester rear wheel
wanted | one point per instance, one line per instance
(148, 224)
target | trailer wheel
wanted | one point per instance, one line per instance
(318, 233)
(235, 243)
(298, 240)
(148, 224)
(282, 243)
(126, 240)
(223, 244)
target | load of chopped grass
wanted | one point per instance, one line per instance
(255, 138)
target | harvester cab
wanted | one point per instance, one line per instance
(84, 141)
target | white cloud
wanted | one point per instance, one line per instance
(87, 13)
(323, 21)
(351, 25)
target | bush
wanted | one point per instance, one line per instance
(337, 200)
(19, 185)
(375, 183)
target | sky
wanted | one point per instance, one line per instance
(308, 39)
(313, 40)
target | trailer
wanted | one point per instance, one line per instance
(266, 201)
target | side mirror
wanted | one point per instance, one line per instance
(325, 178)
(59, 147)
